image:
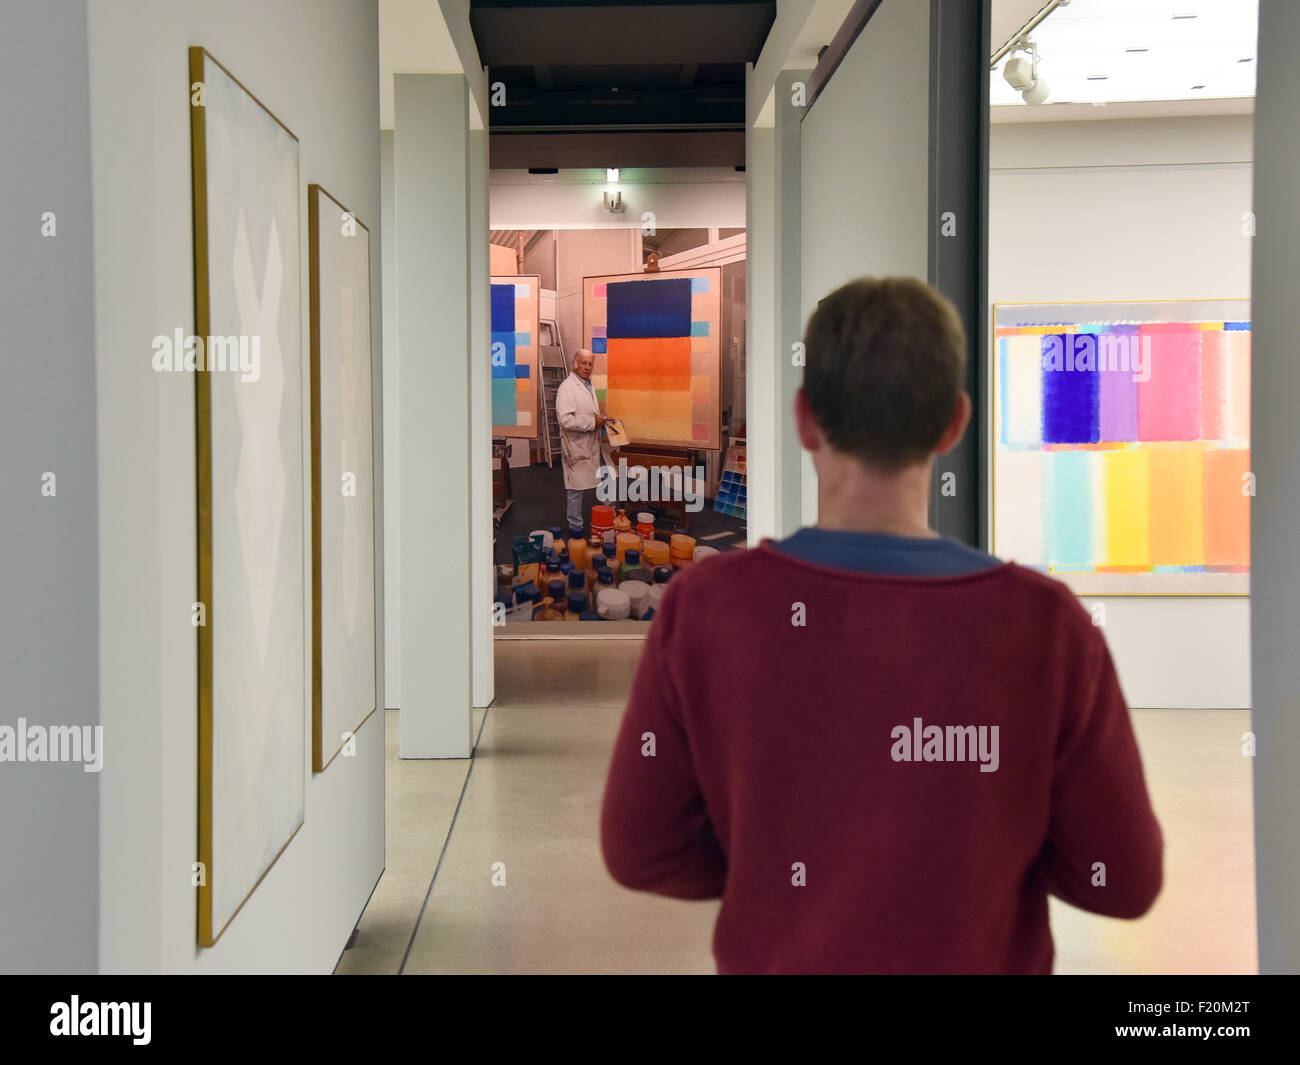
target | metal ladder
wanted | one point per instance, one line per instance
(554, 368)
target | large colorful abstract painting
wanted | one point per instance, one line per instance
(1121, 458)
(343, 489)
(515, 378)
(658, 353)
(251, 643)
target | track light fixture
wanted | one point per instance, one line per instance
(1021, 72)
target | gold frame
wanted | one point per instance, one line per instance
(207, 936)
(715, 273)
(535, 298)
(993, 444)
(318, 760)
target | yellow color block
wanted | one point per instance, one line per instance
(701, 344)
(1128, 540)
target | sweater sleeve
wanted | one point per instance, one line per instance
(1104, 850)
(655, 830)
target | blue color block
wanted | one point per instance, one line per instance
(507, 350)
(523, 340)
(660, 308)
(1237, 327)
(598, 346)
(1068, 506)
(503, 308)
(699, 329)
(503, 401)
(699, 284)
(1071, 404)
(522, 369)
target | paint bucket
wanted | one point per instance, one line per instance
(654, 553)
(625, 540)
(702, 552)
(681, 549)
(613, 604)
(602, 517)
(637, 592)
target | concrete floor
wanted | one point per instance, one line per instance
(525, 809)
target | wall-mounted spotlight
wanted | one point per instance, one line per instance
(1021, 72)
(613, 201)
(611, 174)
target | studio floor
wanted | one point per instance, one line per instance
(530, 799)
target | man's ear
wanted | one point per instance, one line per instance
(956, 427)
(810, 435)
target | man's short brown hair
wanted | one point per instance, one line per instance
(885, 360)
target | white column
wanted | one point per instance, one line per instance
(1275, 510)
(431, 184)
(760, 332)
(482, 579)
(392, 465)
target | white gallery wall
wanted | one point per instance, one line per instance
(865, 171)
(1133, 210)
(315, 64)
(49, 626)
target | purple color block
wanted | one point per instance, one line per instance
(1119, 405)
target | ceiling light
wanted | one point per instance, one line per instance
(611, 173)
(1021, 72)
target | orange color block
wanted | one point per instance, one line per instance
(1227, 508)
(650, 363)
(1176, 506)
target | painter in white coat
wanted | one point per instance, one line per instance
(581, 422)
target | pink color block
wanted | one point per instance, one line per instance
(1169, 402)
(598, 290)
(699, 432)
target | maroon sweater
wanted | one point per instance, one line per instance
(778, 781)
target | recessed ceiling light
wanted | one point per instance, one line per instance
(1181, 18)
(1098, 77)
(1248, 59)
(1137, 49)
(1198, 86)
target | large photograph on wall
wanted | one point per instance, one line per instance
(342, 453)
(252, 759)
(655, 337)
(515, 301)
(1121, 450)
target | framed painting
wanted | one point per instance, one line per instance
(658, 353)
(342, 462)
(248, 401)
(515, 375)
(1121, 450)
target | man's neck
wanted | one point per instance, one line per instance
(852, 497)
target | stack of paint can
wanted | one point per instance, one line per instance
(681, 548)
(654, 553)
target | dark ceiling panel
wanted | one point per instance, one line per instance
(520, 33)
(520, 151)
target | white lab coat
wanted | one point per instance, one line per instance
(576, 409)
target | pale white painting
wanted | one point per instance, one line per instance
(255, 433)
(345, 603)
